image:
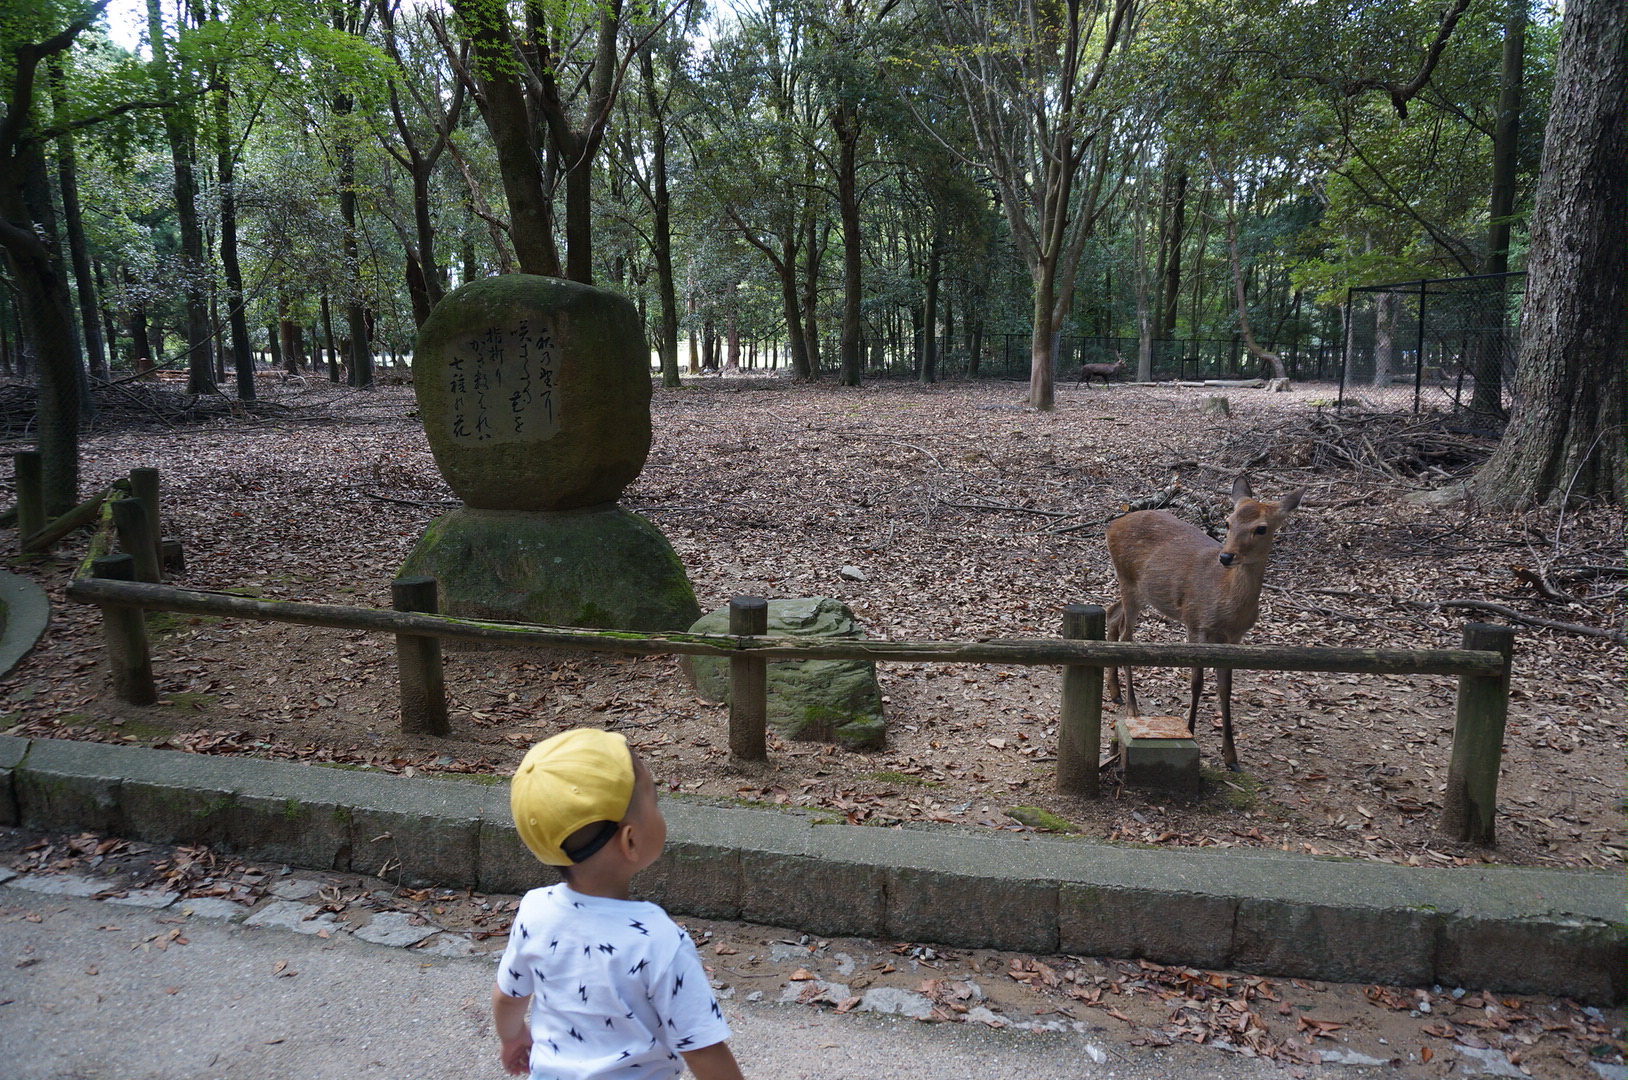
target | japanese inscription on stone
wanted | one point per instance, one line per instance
(500, 385)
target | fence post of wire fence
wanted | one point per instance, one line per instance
(748, 683)
(418, 659)
(124, 630)
(1471, 799)
(1079, 727)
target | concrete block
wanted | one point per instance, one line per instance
(71, 786)
(1337, 943)
(418, 832)
(991, 910)
(291, 813)
(502, 863)
(702, 880)
(1156, 752)
(12, 752)
(829, 897)
(173, 798)
(1577, 958)
(1166, 927)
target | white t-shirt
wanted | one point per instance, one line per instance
(617, 988)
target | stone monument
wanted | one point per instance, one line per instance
(535, 397)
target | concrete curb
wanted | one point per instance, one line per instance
(27, 612)
(1510, 929)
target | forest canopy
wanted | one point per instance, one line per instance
(840, 189)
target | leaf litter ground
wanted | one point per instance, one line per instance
(967, 516)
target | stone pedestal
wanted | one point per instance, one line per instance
(603, 568)
(1157, 752)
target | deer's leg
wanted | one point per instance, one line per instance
(1192, 708)
(1111, 632)
(1223, 690)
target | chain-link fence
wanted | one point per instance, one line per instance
(1006, 356)
(1434, 345)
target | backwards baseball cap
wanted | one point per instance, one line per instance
(564, 783)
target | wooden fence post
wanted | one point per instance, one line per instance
(418, 662)
(124, 630)
(30, 492)
(1471, 799)
(748, 683)
(136, 537)
(1079, 729)
(144, 486)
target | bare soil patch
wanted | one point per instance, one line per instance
(969, 516)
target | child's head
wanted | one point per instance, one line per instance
(582, 792)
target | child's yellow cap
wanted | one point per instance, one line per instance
(573, 779)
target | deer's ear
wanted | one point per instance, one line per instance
(1292, 500)
(1240, 489)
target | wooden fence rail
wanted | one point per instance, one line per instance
(1482, 667)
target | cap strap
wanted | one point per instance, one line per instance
(607, 829)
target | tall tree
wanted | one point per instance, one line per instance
(45, 314)
(1565, 440)
(1506, 136)
(79, 255)
(1036, 79)
(442, 107)
(180, 128)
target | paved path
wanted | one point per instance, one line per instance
(98, 990)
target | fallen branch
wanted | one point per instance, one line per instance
(81, 515)
(1510, 613)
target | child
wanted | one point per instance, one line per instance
(614, 987)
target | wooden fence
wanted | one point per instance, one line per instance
(1482, 667)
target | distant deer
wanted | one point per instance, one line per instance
(1101, 371)
(1212, 589)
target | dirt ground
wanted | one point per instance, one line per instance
(1126, 1010)
(966, 516)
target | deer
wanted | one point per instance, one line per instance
(1212, 589)
(1101, 371)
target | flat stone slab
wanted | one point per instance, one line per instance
(304, 918)
(394, 928)
(212, 907)
(1157, 752)
(58, 884)
(154, 899)
(294, 889)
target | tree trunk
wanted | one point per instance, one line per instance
(661, 237)
(845, 121)
(178, 129)
(242, 347)
(1487, 399)
(503, 106)
(814, 249)
(1384, 337)
(929, 317)
(1564, 443)
(110, 332)
(74, 224)
(800, 366)
(1248, 332)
